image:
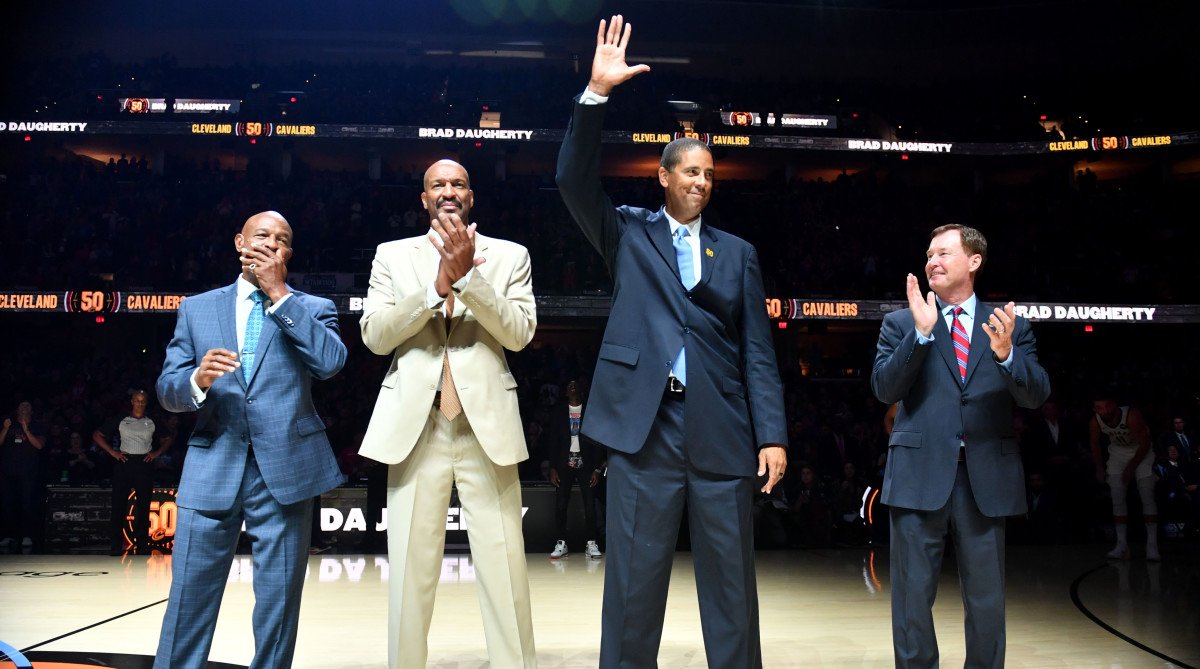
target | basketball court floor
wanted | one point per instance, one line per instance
(1067, 607)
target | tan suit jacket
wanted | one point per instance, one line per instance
(495, 311)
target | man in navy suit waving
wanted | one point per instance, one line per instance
(244, 357)
(958, 368)
(686, 392)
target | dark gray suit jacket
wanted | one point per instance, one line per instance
(937, 411)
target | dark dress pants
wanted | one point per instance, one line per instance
(562, 498)
(138, 475)
(918, 545)
(647, 494)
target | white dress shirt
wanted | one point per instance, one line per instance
(967, 318)
(242, 308)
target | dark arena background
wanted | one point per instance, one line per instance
(136, 138)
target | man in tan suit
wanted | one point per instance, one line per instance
(447, 414)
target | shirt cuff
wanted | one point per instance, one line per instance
(432, 299)
(273, 307)
(198, 396)
(1005, 364)
(461, 285)
(435, 301)
(590, 98)
(922, 339)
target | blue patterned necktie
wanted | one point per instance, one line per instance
(687, 275)
(254, 324)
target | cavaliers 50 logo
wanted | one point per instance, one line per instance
(163, 515)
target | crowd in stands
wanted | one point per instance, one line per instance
(71, 224)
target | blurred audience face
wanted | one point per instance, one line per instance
(138, 402)
(1050, 411)
(1172, 453)
(949, 268)
(1179, 424)
(1106, 409)
(1036, 482)
(448, 189)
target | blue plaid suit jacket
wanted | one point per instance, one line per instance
(274, 410)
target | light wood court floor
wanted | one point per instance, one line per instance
(1067, 607)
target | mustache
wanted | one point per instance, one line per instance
(443, 200)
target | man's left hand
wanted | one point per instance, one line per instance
(772, 460)
(269, 267)
(999, 329)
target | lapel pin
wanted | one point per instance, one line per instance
(708, 252)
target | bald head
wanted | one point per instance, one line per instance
(450, 166)
(266, 219)
(448, 190)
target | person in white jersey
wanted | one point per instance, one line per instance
(1130, 459)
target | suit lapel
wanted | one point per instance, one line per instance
(708, 253)
(659, 230)
(227, 321)
(424, 266)
(980, 343)
(269, 330)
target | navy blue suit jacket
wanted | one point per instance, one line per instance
(300, 340)
(734, 395)
(938, 411)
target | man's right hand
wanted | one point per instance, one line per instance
(553, 477)
(608, 65)
(924, 310)
(217, 362)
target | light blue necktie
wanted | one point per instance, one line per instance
(687, 275)
(254, 323)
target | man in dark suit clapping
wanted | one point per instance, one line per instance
(957, 367)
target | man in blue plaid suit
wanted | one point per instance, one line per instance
(244, 356)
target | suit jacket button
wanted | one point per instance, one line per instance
(250, 401)
(964, 401)
(687, 331)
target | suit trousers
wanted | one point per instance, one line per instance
(918, 543)
(136, 474)
(562, 499)
(647, 494)
(205, 543)
(418, 495)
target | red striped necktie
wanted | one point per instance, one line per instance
(962, 345)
